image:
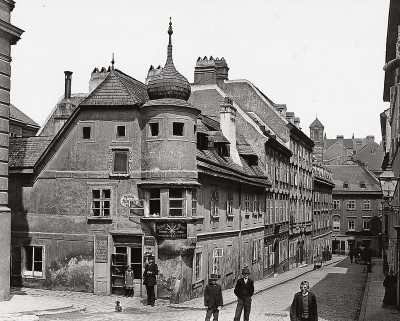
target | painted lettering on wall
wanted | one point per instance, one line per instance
(101, 252)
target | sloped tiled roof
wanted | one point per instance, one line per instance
(18, 115)
(211, 160)
(372, 155)
(118, 89)
(353, 175)
(316, 123)
(25, 151)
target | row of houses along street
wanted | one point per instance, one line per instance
(205, 177)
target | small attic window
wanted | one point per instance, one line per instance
(345, 185)
(363, 185)
(86, 130)
(121, 131)
(177, 129)
(223, 150)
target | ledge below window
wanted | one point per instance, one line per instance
(172, 218)
(99, 220)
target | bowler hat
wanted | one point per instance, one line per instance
(245, 271)
(213, 277)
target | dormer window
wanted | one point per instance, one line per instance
(177, 129)
(345, 185)
(362, 185)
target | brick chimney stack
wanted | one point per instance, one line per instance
(228, 127)
(68, 80)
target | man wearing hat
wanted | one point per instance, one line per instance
(149, 280)
(213, 298)
(244, 290)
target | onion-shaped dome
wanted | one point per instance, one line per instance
(169, 83)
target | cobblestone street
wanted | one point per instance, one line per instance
(338, 289)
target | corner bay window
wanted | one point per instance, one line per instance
(171, 202)
(101, 202)
(154, 202)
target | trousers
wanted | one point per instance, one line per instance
(212, 312)
(151, 296)
(243, 305)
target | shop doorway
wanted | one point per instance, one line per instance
(123, 256)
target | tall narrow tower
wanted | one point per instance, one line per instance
(317, 135)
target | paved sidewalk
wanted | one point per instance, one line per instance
(259, 286)
(371, 308)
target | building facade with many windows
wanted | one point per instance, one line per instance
(356, 215)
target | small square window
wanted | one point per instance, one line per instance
(154, 129)
(177, 129)
(121, 131)
(86, 130)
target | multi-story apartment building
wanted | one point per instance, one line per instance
(322, 208)
(132, 171)
(390, 127)
(356, 209)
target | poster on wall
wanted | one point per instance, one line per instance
(101, 249)
(171, 230)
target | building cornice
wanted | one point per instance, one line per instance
(10, 32)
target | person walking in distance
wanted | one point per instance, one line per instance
(304, 305)
(213, 298)
(244, 289)
(149, 280)
(129, 282)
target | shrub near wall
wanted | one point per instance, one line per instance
(75, 275)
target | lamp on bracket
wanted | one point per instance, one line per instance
(388, 181)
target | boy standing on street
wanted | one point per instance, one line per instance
(304, 305)
(213, 298)
(244, 289)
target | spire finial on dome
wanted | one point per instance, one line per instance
(112, 62)
(170, 32)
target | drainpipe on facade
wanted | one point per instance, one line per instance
(240, 228)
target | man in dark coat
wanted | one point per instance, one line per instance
(244, 289)
(304, 305)
(213, 298)
(149, 280)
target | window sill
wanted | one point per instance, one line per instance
(215, 217)
(33, 277)
(100, 219)
(170, 218)
(125, 175)
(230, 216)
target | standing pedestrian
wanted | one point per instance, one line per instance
(304, 305)
(129, 279)
(213, 298)
(244, 289)
(351, 254)
(389, 300)
(149, 280)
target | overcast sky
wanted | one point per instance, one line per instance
(319, 57)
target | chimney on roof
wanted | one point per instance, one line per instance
(228, 127)
(210, 71)
(152, 72)
(97, 77)
(290, 116)
(340, 139)
(370, 139)
(297, 122)
(282, 109)
(68, 75)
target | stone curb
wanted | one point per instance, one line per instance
(307, 270)
(67, 309)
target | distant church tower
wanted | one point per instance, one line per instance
(317, 135)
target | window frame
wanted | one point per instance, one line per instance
(229, 203)
(181, 130)
(352, 222)
(351, 205)
(117, 135)
(31, 273)
(214, 202)
(336, 204)
(113, 150)
(101, 199)
(216, 263)
(182, 199)
(365, 207)
(198, 275)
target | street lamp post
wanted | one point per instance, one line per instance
(389, 183)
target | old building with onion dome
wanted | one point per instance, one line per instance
(128, 171)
